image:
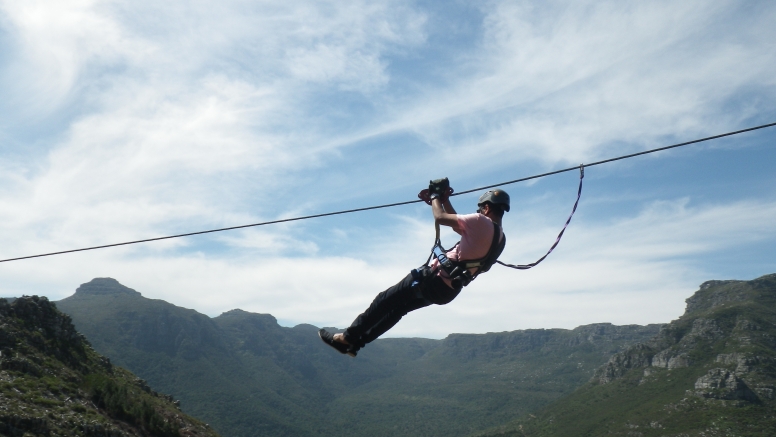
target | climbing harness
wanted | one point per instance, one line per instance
(460, 271)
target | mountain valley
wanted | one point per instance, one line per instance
(247, 376)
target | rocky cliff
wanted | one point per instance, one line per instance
(728, 328)
(52, 383)
(710, 372)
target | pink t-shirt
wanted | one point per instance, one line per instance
(476, 232)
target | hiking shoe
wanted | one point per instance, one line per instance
(328, 338)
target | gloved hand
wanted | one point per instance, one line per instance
(424, 196)
(448, 193)
(438, 187)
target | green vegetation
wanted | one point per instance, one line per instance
(124, 402)
(711, 372)
(722, 379)
(53, 384)
(247, 376)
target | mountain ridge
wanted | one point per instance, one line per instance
(712, 371)
(252, 376)
(52, 383)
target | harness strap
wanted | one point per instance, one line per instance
(483, 264)
(437, 242)
(459, 271)
(557, 240)
(496, 248)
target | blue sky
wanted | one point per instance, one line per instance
(127, 120)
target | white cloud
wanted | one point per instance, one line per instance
(636, 269)
(141, 119)
(562, 82)
(56, 41)
(163, 138)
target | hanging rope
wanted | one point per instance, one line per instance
(560, 235)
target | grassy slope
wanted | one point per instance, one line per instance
(470, 384)
(651, 401)
(53, 383)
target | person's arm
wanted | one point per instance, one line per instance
(444, 213)
(448, 206)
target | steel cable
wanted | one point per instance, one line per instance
(389, 205)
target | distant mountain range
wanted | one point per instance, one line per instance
(247, 376)
(712, 372)
(52, 383)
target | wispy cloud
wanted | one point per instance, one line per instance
(126, 120)
(636, 269)
(184, 111)
(570, 82)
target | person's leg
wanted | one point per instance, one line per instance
(386, 310)
(437, 292)
(391, 319)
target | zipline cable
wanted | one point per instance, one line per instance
(389, 205)
(606, 161)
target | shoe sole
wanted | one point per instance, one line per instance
(333, 344)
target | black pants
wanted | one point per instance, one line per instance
(416, 290)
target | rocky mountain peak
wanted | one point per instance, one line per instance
(713, 294)
(723, 332)
(712, 371)
(235, 313)
(238, 314)
(103, 286)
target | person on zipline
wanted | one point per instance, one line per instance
(440, 281)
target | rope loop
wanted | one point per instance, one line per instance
(560, 235)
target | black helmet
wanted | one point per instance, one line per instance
(496, 197)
